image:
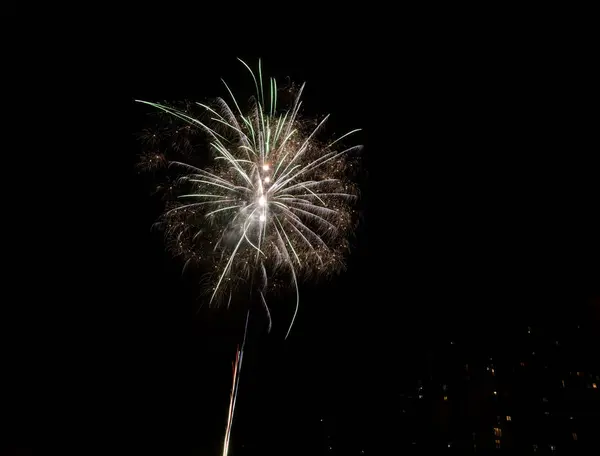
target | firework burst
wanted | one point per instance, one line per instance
(276, 203)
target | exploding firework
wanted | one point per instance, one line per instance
(276, 204)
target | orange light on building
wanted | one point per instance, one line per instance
(508, 418)
(497, 443)
(497, 432)
(594, 386)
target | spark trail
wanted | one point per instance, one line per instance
(237, 367)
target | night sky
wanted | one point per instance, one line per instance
(478, 223)
(474, 269)
(469, 314)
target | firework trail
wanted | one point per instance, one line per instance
(237, 367)
(276, 204)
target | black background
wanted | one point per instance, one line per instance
(479, 219)
(478, 211)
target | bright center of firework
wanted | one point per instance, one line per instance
(262, 201)
(265, 167)
(262, 217)
(267, 179)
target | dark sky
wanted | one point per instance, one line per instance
(478, 205)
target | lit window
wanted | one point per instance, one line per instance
(574, 435)
(497, 443)
(445, 398)
(508, 418)
(495, 393)
(594, 386)
(563, 383)
(493, 371)
(522, 364)
(497, 432)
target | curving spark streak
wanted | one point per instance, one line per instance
(276, 202)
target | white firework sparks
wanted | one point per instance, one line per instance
(275, 203)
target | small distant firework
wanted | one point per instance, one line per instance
(151, 161)
(275, 202)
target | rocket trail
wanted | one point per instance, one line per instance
(237, 367)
